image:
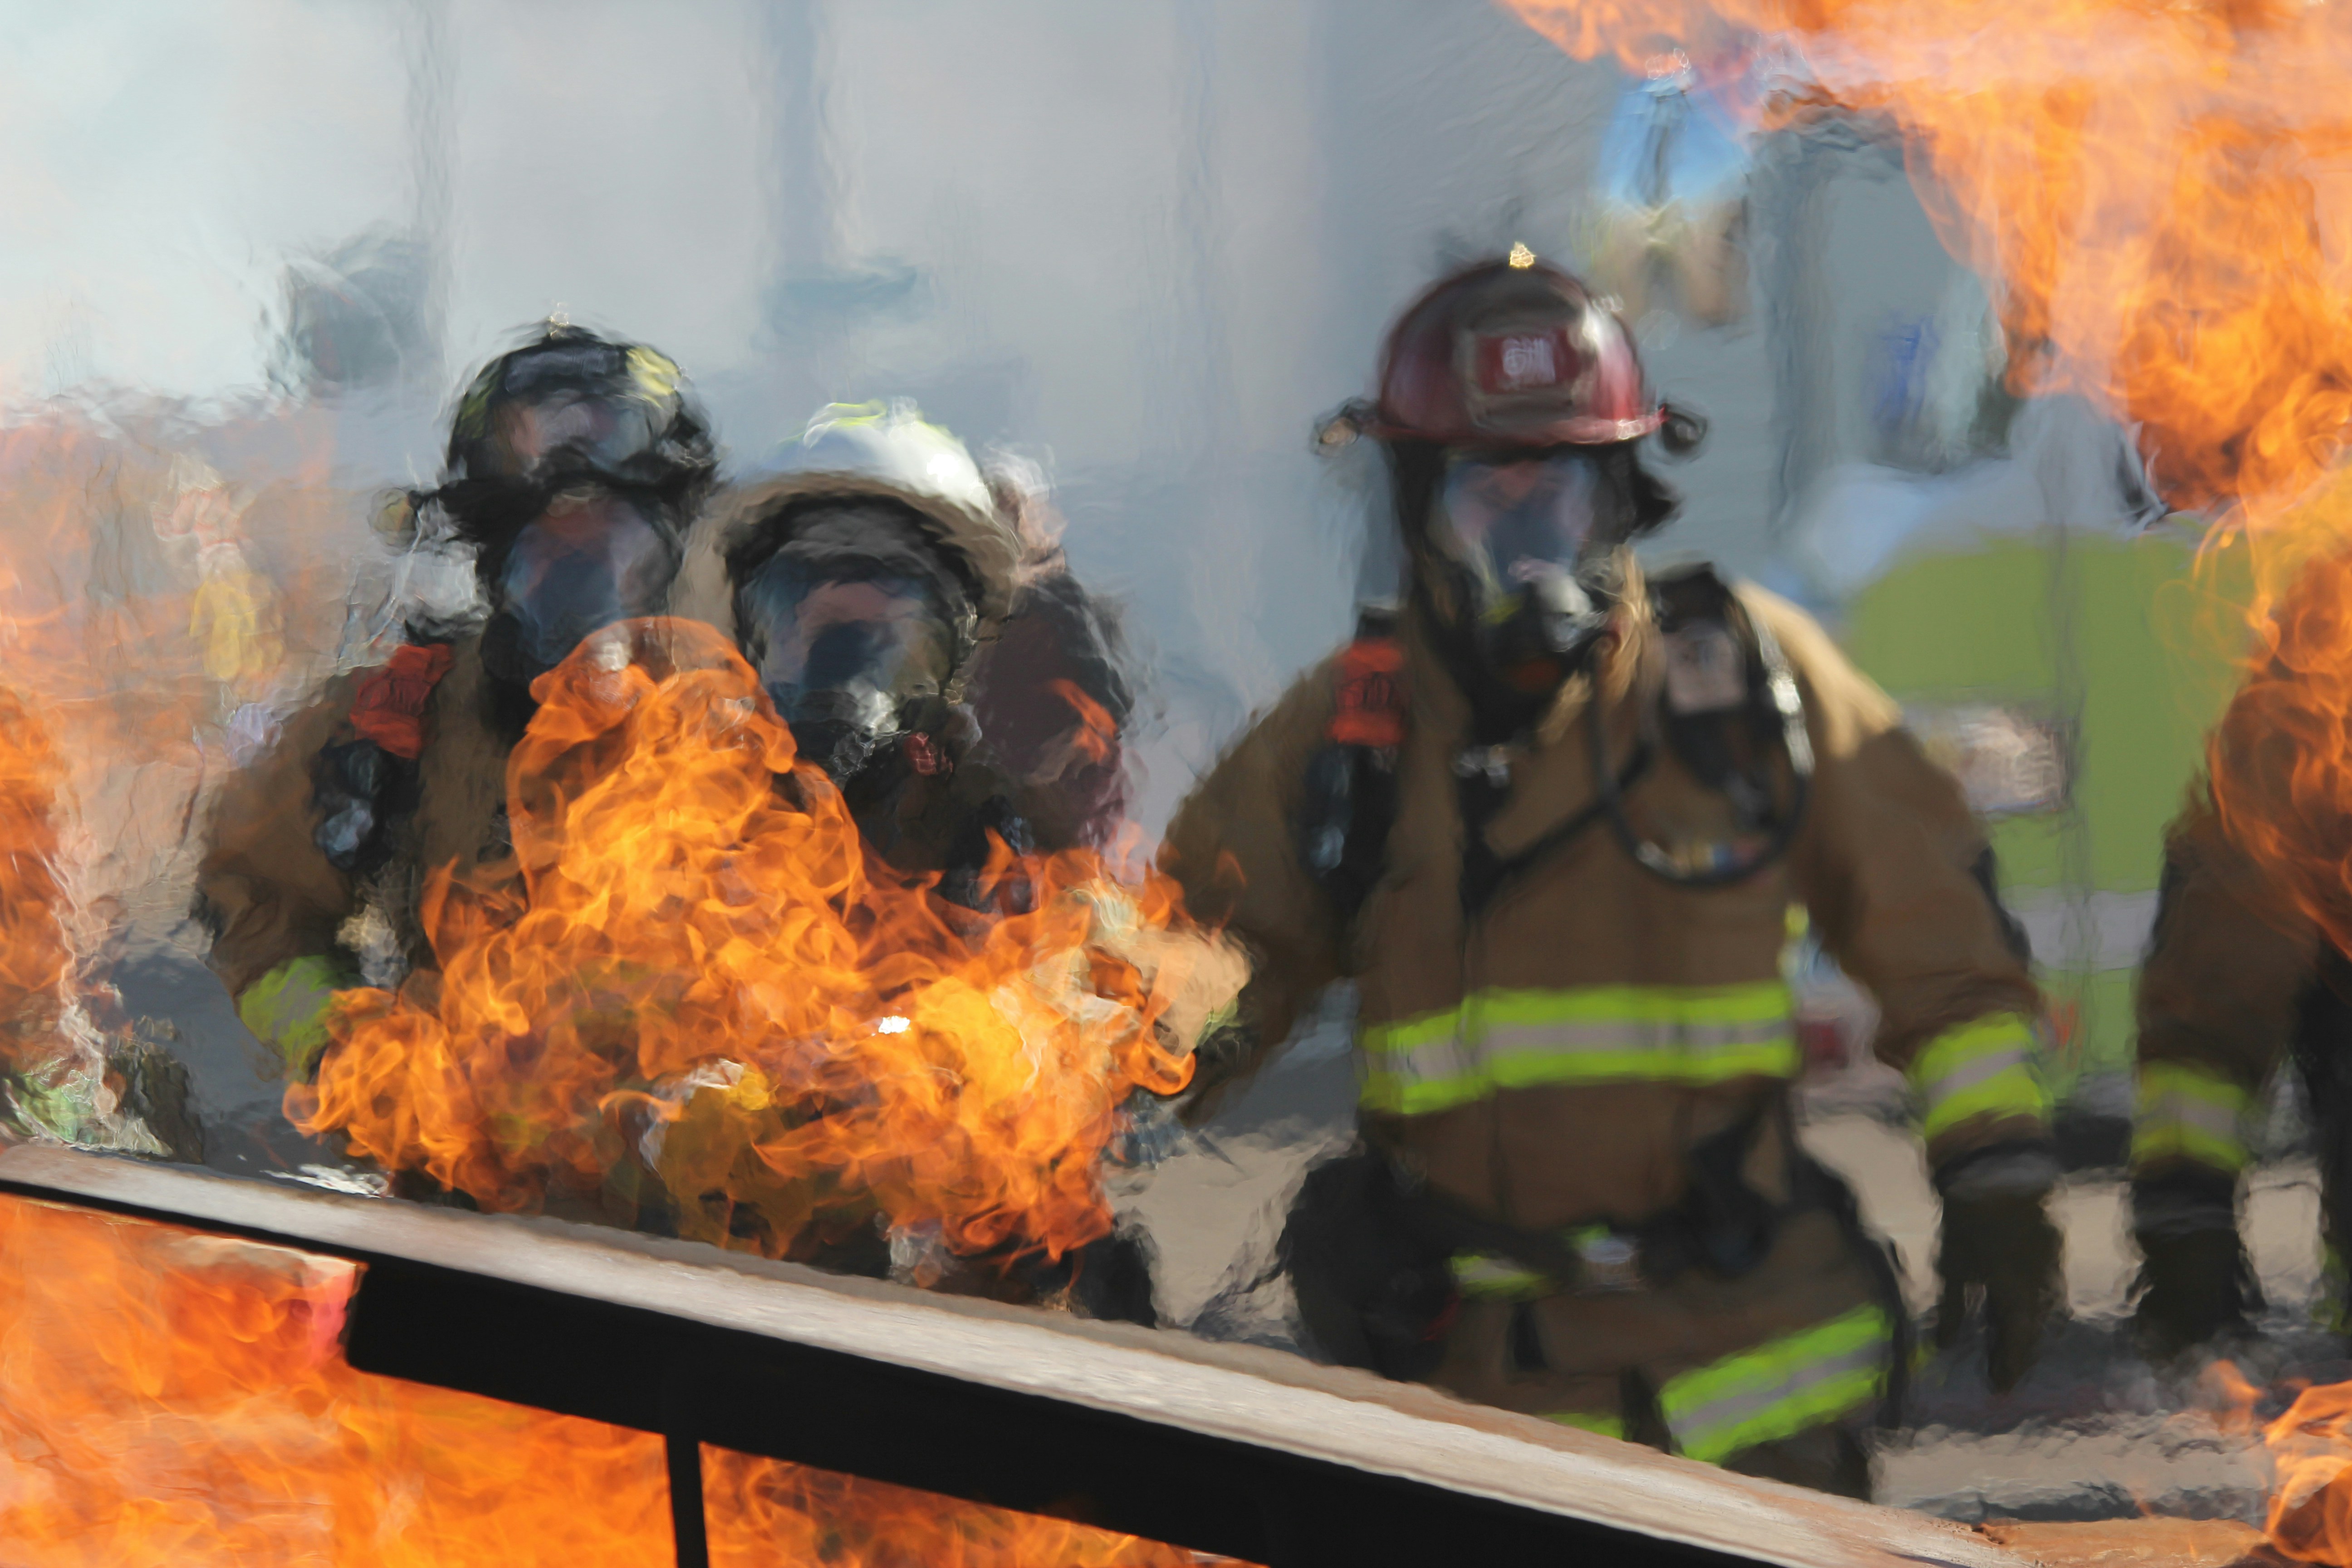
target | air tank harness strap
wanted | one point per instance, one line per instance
(360, 785)
(1731, 694)
(1482, 783)
(1350, 796)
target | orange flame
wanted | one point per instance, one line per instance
(699, 976)
(33, 959)
(2310, 1515)
(169, 1398)
(2281, 759)
(2153, 190)
(134, 622)
(1098, 732)
(2159, 198)
(764, 1514)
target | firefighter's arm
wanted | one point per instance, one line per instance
(271, 899)
(1900, 882)
(1233, 848)
(2230, 959)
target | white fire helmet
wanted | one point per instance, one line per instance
(890, 442)
(889, 448)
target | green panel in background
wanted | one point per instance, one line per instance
(2111, 636)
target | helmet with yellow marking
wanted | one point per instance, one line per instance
(570, 408)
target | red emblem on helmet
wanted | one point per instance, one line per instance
(1525, 361)
(1512, 356)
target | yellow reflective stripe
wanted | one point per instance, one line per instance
(1416, 1066)
(1589, 1420)
(655, 374)
(2186, 1112)
(1489, 1278)
(1984, 1068)
(1400, 1095)
(1595, 1034)
(850, 415)
(1781, 1388)
(1429, 1029)
(286, 1008)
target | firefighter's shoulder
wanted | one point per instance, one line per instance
(1245, 804)
(1837, 693)
(1294, 723)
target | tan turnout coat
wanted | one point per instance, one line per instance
(1565, 1051)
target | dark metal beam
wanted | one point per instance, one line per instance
(1218, 1447)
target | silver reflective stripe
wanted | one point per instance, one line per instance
(1427, 1063)
(1693, 1428)
(1433, 1077)
(2172, 1108)
(1977, 1070)
(1531, 1037)
(1632, 1035)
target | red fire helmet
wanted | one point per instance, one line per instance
(1512, 352)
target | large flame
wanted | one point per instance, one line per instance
(2309, 1446)
(692, 969)
(135, 628)
(2156, 196)
(2310, 1514)
(169, 1398)
(2281, 761)
(2154, 192)
(2159, 198)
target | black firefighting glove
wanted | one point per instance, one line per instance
(2000, 1251)
(2195, 1281)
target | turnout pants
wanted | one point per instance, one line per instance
(1773, 1374)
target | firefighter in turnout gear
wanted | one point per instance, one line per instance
(575, 465)
(941, 668)
(2239, 979)
(1550, 815)
(884, 591)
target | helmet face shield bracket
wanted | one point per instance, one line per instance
(1344, 426)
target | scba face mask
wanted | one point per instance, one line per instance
(1530, 537)
(852, 662)
(586, 563)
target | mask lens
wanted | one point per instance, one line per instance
(572, 573)
(877, 636)
(1517, 520)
